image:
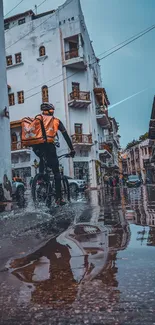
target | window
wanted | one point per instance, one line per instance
(18, 57)
(21, 21)
(9, 60)
(13, 137)
(78, 128)
(73, 46)
(145, 151)
(20, 97)
(11, 99)
(42, 51)
(13, 141)
(75, 90)
(44, 94)
(6, 26)
(75, 86)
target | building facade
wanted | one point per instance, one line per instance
(136, 160)
(152, 132)
(50, 57)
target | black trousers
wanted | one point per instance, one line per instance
(48, 150)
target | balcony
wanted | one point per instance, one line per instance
(109, 138)
(102, 117)
(105, 150)
(82, 140)
(101, 96)
(79, 99)
(74, 60)
(113, 138)
(18, 146)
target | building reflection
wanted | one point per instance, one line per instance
(142, 203)
(60, 271)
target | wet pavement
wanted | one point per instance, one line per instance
(91, 263)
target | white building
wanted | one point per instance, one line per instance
(137, 160)
(50, 57)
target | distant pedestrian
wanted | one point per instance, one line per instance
(117, 180)
(106, 181)
(111, 181)
(31, 181)
(114, 181)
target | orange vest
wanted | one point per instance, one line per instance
(41, 129)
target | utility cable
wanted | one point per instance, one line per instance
(119, 48)
(124, 43)
(34, 28)
(14, 8)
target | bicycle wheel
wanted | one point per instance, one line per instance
(65, 190)
(41, 189)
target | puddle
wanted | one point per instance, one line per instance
(100, 262)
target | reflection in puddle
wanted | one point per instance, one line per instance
(86, 258)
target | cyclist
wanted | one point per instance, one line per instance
(48, 150)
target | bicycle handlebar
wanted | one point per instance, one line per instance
(66, 155)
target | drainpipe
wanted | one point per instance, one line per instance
(80, 46)
(65, 98)
(5, 145)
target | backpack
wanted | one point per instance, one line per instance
(41, 129)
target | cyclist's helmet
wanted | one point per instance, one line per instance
(47, 108)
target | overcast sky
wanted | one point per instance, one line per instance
(127, 71)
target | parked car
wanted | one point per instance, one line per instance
(18, 190)
(133, 181)
(77, 185)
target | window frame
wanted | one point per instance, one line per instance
(11, 98)
(78, 127)
(7, 62)
(42, 48)
(13, 136)
(45, 97)
(20, 95)
(21, 21)
(6, 25)
(18, 55)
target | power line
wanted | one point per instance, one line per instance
(34, 28)
(56, 83)
(45, 82)
(128, 39)
(133, 39)
(14, 8)
(140, 34)
(41, 3)
(27, 34)
(123, 44)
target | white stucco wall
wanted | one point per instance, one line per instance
(5, 156)
(52, 31)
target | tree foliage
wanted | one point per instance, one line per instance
(134, 142)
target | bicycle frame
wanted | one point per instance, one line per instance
(59, 158)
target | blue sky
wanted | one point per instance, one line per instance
(127, 71)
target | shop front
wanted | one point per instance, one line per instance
(81, 170)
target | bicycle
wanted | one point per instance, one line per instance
(43, 185)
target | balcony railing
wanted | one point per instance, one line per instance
(101, 110)
(82, 138)
(80, 95)
(71, 54)
(109, 138)
(104, 146)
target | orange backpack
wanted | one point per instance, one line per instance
(39, 130)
